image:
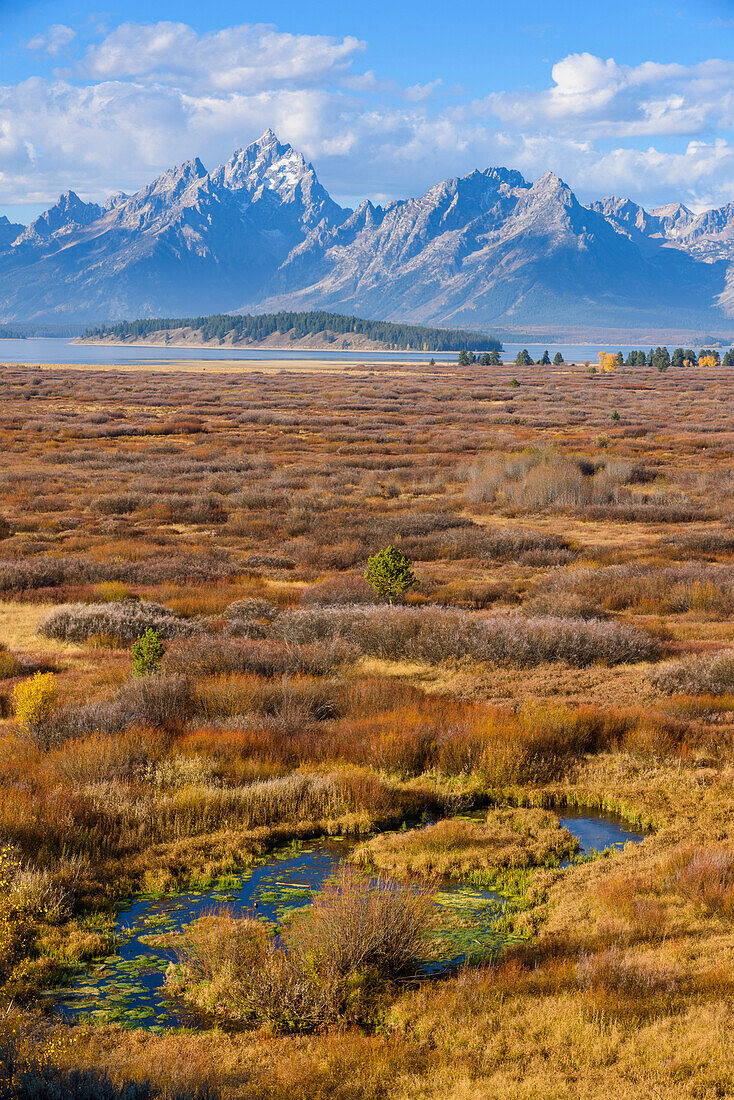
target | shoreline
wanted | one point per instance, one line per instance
(387, 367)
(79, 342)
(255, 348)
(247, 366)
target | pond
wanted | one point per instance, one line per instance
(128, 987)
(595, 833)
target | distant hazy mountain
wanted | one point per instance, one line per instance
(261, 233)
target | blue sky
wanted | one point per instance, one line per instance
(633, 98)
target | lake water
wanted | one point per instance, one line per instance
(128, 987)
(44, 351)
(67, 352)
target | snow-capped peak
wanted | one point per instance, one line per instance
(266, 163)
(268, 169)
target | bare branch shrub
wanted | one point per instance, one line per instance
(122, 622)
(437, 634)
(539, 481)
(160, 701)
(249, 618)
(333, 963)
(706, 875)
(648, 587)
(358, 922)
(709, 674)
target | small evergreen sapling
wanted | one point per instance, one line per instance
(390, 573)
(147, 653)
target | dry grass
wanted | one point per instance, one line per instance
(550, 546)
(473, 850)
(19, 626)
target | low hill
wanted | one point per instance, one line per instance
(317, 329)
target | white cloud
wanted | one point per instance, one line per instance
(419, 93)
(605, 99)
(53, 40)
(149, 96)
(251, 57)
(582, 81)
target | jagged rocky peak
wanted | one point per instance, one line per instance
(69, 206)
(367, 214)
(500, 190)
(162, 197)
(268, 169)
(265, 163)
(497, 181)
(548, 203)
(367, 218)
(674, 219)
(68, 213)
(480, 198)
(9, 232)
(262, 233)
(712, 223)
(173, 183)
(626, 214)
(611, 206)
(480, 187)
(674, 211)
(7, 226)
(552, 187)
(509, 177)
(114, 200)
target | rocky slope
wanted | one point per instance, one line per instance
(261, 233)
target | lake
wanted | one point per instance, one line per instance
(47, 350)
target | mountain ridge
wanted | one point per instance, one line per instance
(260, 233)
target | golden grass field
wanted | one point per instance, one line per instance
(569, 644)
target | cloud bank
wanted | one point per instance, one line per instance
(146, 96)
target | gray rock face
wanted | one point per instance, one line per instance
(9, 232)
(260, 232)
(708, 236)
(278, 179)
(490, 249)
(188, 242)
(61, 220)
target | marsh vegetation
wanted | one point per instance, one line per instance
(568, 648)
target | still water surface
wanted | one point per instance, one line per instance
(48, 350)
(128, 987)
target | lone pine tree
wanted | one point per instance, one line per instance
(390, 572)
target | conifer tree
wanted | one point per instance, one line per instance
(390, 572)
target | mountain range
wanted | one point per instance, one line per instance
(260, 233)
